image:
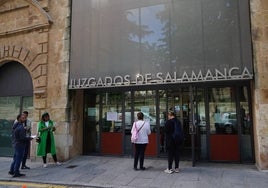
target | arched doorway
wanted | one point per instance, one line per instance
(16, 95)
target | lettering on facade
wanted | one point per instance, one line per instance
(234, 73)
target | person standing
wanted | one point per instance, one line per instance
(19, 140)
(173, 142)
(143, 129)
(27, 127)
(47, 144)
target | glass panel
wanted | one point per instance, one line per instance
(9, 109)
(224, 140)
(163, 118)
(222, 111)
(112, 112)
(145, 103)
(27, 105)
(201, 123)
(185, 110)
(128, 124)
(111, 122)
(179, 102)
(92, 127)
(246, 126)
(127, 37)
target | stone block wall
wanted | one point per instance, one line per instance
(76, 122)
(57, 74)
(35, 33)
(259, 21)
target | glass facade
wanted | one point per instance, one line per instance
(10, 107)
(178, 55)
(215, 120)
(122, 39)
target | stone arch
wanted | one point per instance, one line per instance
(16, 94)
(35, 63)
(15, 80)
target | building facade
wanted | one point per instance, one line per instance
(35, 42)
(94, 64)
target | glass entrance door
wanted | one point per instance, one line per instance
(145, 102)
(103, 123)
(111, 123)
(216, 121)
(189, 107)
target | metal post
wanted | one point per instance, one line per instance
(192, 124)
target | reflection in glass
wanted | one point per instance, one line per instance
(128, 124)
(9, 109)
(162, 118)
(222, 111)
(246, 125)
(145, 102)
(27, 105)
(156, 36)
(92, 125)
(200, 122)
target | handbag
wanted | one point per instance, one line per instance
(38, 139)
(134, 135)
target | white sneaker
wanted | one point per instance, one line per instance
(58, 163)
(176, 170)
(168, 171)
(44, 165)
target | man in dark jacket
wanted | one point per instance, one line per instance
(27, 127)
(19, 140)
(173, 143)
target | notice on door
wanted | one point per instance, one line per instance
(112, 116)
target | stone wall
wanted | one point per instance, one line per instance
(76, 122)
(259, 21)
(35, 33)
(58, 70)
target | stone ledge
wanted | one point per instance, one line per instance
(13, 9)
(12, 6)
(40, 93)
(24, 29)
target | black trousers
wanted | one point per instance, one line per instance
(48, 147)
(139, 154)
(45, 158)
(173, 155)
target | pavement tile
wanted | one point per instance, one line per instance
(98, 171)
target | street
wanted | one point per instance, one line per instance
(10, 184)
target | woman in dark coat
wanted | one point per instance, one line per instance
(173, 142)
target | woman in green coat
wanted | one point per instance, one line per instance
(47, 143)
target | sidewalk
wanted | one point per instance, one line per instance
(96, 171)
